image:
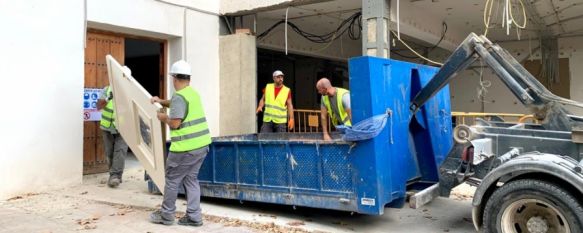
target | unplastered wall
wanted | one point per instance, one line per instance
(340, 49)
(191, 29)
(497, 98)
(238, 82)
(42, 85)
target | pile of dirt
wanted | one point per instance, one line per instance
(261, 227)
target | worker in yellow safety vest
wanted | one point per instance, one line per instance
(336, 104)
(190, 138)
(278, 106)
(115, 148)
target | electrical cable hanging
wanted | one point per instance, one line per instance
(330, 43)
(416, 53)
(398, 21)
(488, 11)
(351, 25)
(507, 16)
(286, 12)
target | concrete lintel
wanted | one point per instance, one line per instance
(237, 7)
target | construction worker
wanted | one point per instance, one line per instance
(336, 104)
(190, 138)
(114, 145)
(278, 106)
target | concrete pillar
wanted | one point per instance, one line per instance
(238, 84)
(375, 30)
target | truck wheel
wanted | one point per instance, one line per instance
(533, 206)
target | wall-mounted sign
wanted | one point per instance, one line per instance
(90, 97)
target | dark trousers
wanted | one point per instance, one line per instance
(115, 152)
(183, 168)
(270, 127)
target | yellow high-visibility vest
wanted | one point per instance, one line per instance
(108, 112)
(275, 107)
(342, 112)
(193, 132)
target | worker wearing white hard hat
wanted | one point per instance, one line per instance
(278, 106)
(190, 138)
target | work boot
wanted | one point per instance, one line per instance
(156, 217)
(185, 221)
(113, 181)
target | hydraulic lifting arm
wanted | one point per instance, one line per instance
(545, 106)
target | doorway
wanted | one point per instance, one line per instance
(144, 56)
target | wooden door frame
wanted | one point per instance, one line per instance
(163, 54)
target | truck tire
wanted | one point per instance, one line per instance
(532, 206)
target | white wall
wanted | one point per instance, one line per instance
(202, 53)
(203, 5)
(42, 85)
(176, 24)
(140, 17)
(498, 97)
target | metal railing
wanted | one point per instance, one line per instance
(468, 118)
(308, 121)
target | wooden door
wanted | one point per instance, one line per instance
(97, 47)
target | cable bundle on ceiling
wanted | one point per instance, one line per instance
(507, 16)
(351, 25)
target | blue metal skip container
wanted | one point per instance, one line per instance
(363, 177)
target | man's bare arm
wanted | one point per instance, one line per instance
(260, 105)
(101, 104)
(324, 120)
(156, 99)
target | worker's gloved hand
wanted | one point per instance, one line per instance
(290, 124)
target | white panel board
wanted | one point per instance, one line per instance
(137, 122)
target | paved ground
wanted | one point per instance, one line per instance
(94, 207)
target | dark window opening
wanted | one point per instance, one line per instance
(301, 74)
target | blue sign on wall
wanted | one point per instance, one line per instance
(90, 97)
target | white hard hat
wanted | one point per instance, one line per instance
(180, 67)
(277, 73)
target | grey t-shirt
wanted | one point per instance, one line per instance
(177, 107)
(104, 96)
(333, 104)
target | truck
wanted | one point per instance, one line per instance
(529, 177)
